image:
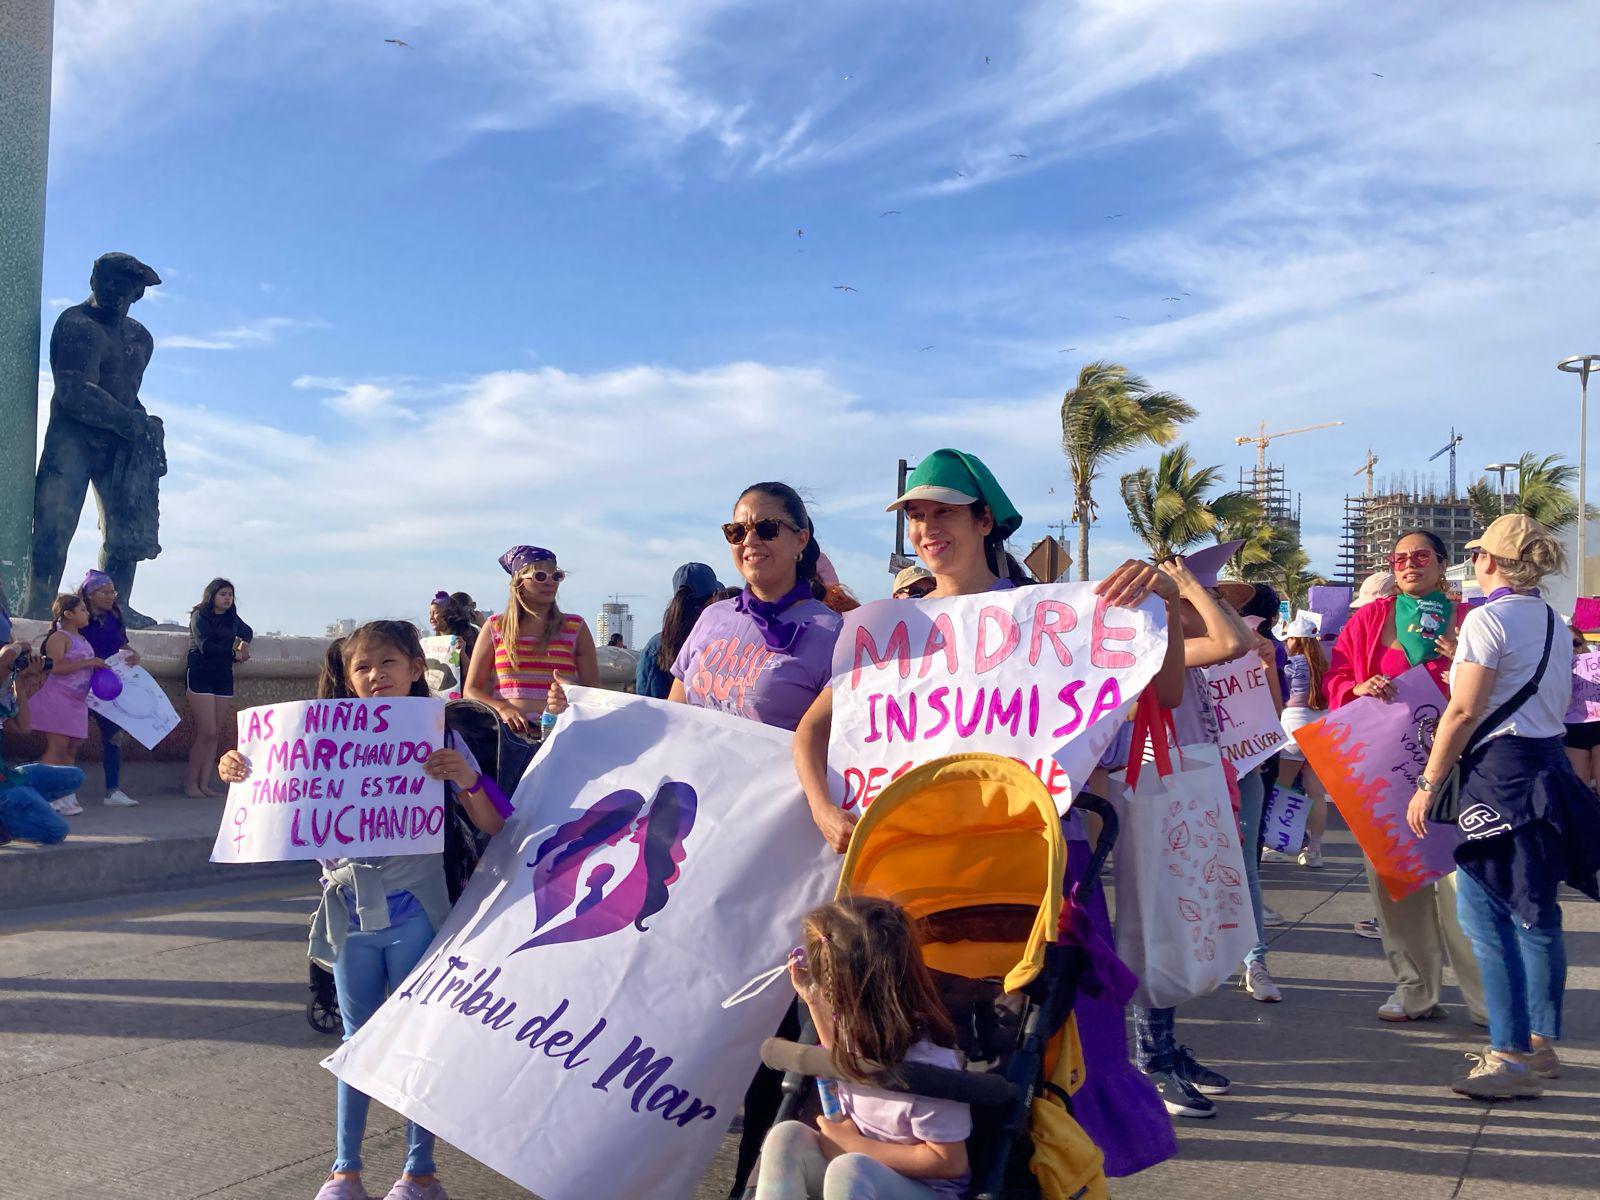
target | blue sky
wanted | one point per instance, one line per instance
(537, 276)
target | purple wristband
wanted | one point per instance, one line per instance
(492, 790)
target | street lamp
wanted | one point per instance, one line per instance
(1501, 469)
(1580, 365)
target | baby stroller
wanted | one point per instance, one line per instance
(477, 731)
(972, 846)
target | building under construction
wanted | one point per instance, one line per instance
(1373, 523)
(1265, 483)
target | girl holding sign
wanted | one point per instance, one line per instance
(60, 708)
(1382, 639)
(378, 915)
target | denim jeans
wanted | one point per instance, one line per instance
(1252, 797)
(25, 809)
(369, 967)
(110, 751)
(793, 1168)
(1524, 967)
(1155, 1038)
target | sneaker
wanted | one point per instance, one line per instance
(1180, 1097)
(342, 1189)
(1395, 1013)
(1368, 929)
(410, 1189)
(67, 806)
(1276, 856)
(1496, 1078)
(1199, 1076)
(1544, 1063)
(1257, 980)
(118, 798)
(1311, 858)
(1271, 918)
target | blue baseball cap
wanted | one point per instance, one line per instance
(699, 579)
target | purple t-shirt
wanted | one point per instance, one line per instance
(106, 634)
(726, 665)
(906, 1120)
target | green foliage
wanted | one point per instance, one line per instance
(1170, 508)
(1109, 413)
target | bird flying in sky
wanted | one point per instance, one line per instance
(843, 287)
(397, 42)
(893, 212)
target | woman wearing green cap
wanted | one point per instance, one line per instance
(958, 518)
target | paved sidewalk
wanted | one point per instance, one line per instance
(161, 1050)
(165, 842)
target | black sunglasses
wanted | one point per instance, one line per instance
(737, 531)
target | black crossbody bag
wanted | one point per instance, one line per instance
(1446, 806)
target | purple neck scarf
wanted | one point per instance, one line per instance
(778, 635)
(1505, 591)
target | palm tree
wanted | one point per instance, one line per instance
(1544, 492)
(1109, 413)
(1168, 507)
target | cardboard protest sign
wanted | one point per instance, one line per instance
(1283, 820)
(141, 707)
(1247, 721)
(335, 779)
(1368, 755)
(444, 667)
(566, 1026)
(1032, 673)
(1585, 705)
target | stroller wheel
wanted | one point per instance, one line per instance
(323, 1015)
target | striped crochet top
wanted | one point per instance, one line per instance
(531, 678)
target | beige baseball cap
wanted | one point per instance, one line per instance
(908, 576)
(1509, 536)
(1375, 587)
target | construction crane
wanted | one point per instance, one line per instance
(1366, 469)
(1262, 438)
(1450, 449)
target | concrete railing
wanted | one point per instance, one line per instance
(280, 668)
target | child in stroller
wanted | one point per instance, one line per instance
(861, 975)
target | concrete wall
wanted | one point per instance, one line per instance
(280, 668)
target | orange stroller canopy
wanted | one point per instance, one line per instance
(971, 845)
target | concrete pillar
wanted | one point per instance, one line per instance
(25, 34)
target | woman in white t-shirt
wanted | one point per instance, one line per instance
(1528, 822)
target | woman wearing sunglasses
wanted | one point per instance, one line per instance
(514, 669)
(1384, 639)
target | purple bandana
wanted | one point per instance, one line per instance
(514, 559)
(778, 635)
(93, 581)
(1505, 591)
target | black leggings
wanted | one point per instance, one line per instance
(761, 1101)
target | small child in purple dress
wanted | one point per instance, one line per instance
(60, 707)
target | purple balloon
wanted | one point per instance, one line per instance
(106, 683)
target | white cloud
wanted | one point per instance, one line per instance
(625, 473)
(249, 335)
(358, 401)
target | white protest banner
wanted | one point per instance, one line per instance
(1247, 721)
(566, 1026)
(443, 672)
(141, 707)
(335, 779)
(1030, 673)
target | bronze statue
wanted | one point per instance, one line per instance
(99, 433)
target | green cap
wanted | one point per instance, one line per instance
(954, 477)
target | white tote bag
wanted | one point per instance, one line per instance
(1184, 920)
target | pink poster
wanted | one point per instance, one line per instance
(1368, 755)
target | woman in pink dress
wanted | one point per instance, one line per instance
(60, 708)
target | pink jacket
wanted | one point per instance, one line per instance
(1359, 648)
